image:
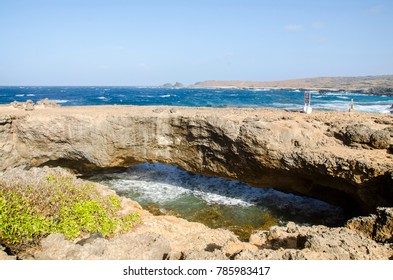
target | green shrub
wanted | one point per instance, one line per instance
(62, 204)
(18, 221)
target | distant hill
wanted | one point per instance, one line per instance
(366, 84)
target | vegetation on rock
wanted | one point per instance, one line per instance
(31, 210)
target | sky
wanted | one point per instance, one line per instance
(152, 42)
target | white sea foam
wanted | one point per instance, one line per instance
(260, 89)
(289, 106)
(61, 100)
(342, 97)
(373, 108)
(165, 95)
(160, 184)
(30, 94)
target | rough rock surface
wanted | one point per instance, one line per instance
(316, 242)
(148, 246)
(4, 255)
(378, 227)
(161, 240)
(290, 151)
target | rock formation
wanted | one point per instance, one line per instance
(338, 157)
(30, 106)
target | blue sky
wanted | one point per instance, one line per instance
(147, 42)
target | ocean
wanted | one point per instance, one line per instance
(217, 98)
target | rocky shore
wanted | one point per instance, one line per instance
(172, 238)
(342, 158)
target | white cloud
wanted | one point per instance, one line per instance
(293, 27)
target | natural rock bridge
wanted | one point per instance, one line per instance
(338, 157)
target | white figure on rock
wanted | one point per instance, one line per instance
(307, 102)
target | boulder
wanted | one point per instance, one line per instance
(357, 134)
(48, 103)
(29, 105)
(380, 139)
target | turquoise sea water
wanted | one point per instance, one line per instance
(82, 96)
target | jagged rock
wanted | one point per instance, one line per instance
(316, 242)
(357, 134)
(378, 227)
(48, 103)
(362, 134)
(289, 151)
(389, 130)
(17, 105)
(380, 139)
(29, 105)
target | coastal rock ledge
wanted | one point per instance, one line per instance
(342, 158)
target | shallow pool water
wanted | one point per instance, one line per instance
(216, 202)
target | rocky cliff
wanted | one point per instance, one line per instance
(339, 157)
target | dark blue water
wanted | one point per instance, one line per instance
(82, 96)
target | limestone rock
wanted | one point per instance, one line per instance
(17, 104)
(357, 134)
(316, 242)
(378, 227)
(27, 106)
(380, 139)
(149, 246)
(48, 103)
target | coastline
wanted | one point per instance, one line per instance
(376, 85)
